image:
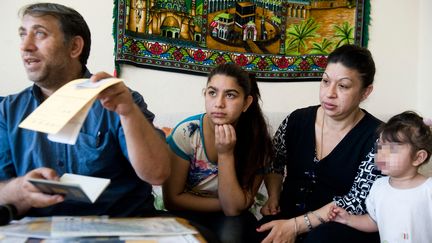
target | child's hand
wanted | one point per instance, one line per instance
(338, 214)
(271, 207)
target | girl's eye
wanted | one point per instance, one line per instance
(229, 95)
(211, 92)
(324, 81)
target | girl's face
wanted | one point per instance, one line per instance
(225, 100)
(394, 159)
(341, 90)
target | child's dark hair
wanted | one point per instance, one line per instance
(408, 127)
(253, 149)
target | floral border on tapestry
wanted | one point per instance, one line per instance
(278, 40)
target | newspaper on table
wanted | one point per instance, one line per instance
(66, 227)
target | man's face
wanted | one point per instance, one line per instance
(45, 54)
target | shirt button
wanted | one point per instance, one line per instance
(60, 163)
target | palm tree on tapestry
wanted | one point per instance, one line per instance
(323, 48)
(345, 33)
(298, 34)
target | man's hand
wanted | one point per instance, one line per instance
(28, 196)
(115, 98)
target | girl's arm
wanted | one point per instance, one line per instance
(273, 183)
(233, 198)
(363, 223)
(174, 194)
(274, 172)
(360, 222)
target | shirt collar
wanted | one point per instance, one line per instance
(37, 92)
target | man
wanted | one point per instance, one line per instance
(117, 140)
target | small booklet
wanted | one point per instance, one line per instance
(74, 187)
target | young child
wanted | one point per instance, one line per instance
(399, 205)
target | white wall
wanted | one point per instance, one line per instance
(424, 87)
(400, 40)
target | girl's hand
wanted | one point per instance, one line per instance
(271, 207)
(338, 214)
(225, 138)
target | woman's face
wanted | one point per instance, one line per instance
(225, 100)
(341, 91)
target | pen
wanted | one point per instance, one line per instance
(98, 138)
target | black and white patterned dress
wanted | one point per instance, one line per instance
(345, 175)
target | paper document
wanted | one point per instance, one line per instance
(88, 226)
(162, 239)
(59, 227)
(74, 187)
(28, 227)
(64, 112)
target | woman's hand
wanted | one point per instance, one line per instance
(280, 231)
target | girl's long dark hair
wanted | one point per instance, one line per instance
(253, 149)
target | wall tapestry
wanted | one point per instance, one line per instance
(278, 40)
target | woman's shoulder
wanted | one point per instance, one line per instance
(371, 119)
(302, 114)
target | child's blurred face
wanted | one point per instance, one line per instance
(224, 100)
(393, 159)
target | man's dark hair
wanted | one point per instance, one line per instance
(71, 23)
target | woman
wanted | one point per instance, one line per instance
(218, 157)
(322, 149)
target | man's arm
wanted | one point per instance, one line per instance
(148, 152)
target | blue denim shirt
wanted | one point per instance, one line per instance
(99, 151)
